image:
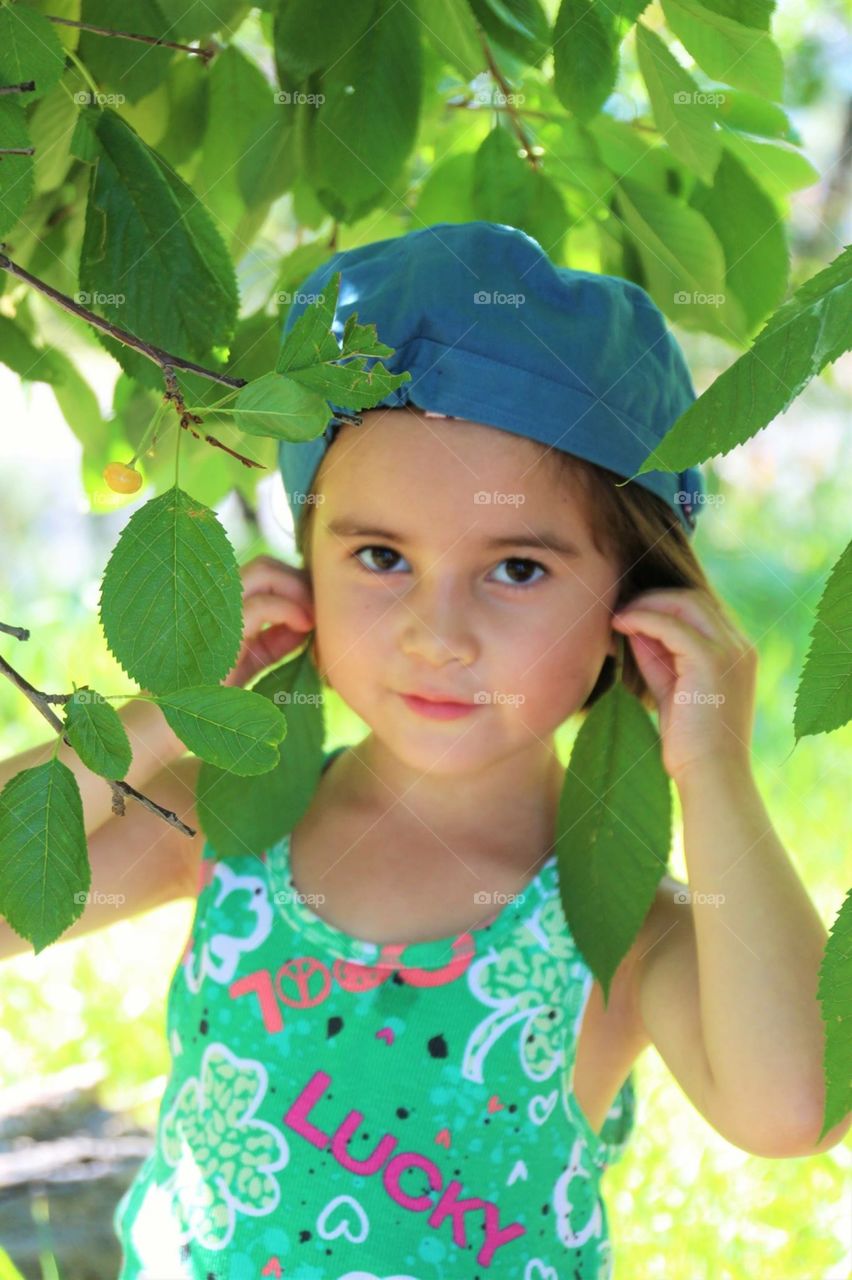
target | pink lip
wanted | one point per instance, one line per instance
(437, 710)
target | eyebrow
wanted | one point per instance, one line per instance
(345, 527)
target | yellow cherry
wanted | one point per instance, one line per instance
(122, 479)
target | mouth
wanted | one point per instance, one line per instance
(439, 698)
(437, 709)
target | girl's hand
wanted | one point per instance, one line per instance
(701, 672)
(275, 593)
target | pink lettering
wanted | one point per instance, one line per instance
(259, 983)
(450, 1204)
(297, 1115)
(341, 1138)
(397, 1166)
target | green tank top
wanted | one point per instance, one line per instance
(340, 1110)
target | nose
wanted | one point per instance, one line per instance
(436, 625)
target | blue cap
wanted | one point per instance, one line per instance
(491, 331)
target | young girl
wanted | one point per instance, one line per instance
(390, 1059)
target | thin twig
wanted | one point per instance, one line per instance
(174, 394)
(17, 151)
(26, 87)
(156, 354)
(41, 703)
(202, 51)
(514, 115)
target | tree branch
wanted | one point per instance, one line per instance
(41, 702)
(203, 51)
(156, 354)
(514, 115)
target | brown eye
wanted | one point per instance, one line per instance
(522, 565)
(383, 552)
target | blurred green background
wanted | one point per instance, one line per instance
(683, 1204)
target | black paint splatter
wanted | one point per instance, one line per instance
(438, 1047)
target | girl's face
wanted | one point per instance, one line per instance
(428, 576)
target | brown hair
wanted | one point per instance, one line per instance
(632, 525)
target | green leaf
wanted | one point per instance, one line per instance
(147, 240)
(246, 815)
(274, 405)
(506, 189)
(777, 166)
(519, 26)
(52, 125)
(613, 830)
(229, 727)
(242, 120)
(585, 57)
(96, 732)
(16, 172)
(359, 137)
(682, 259)
(127, 67)
(752, 114)
(291, 402)
(824, 695)
(681, 113)
(452, 28)
(751, 13)
(192, 19)
(808, 332)
(835, 995)
(171, 596)
(447, 193)
(29, 50)
(44, 867)
(311, 35)
(755, 244)
(726, 49)
(32, 364)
